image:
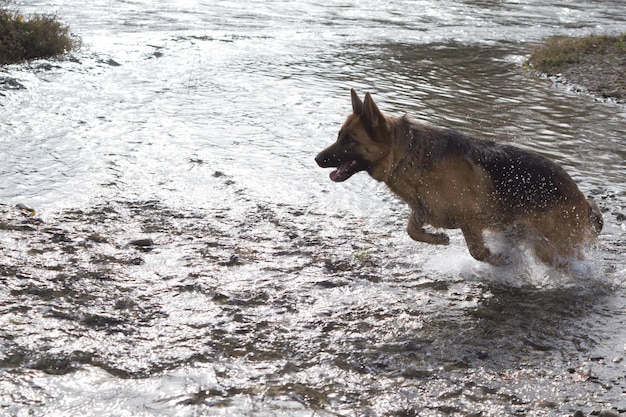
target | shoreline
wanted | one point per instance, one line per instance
(594, 64)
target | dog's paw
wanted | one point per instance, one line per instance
(420, 235)
(440, 238)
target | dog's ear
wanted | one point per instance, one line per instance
(370, 113)
(357, 104)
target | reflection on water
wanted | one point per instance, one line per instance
(267, 289)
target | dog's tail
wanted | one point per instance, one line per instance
(595, 217)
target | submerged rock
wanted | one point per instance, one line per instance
(142, 243)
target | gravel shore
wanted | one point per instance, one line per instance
(594, 64)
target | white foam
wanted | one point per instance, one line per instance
(525, 269)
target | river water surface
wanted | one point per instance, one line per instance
(187, 257)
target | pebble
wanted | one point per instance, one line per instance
(27, 210)
(97, 237)
(233, 261)
(142, 242)
(608, 413)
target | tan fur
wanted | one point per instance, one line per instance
(451, 180)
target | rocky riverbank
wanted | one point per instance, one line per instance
(596, 64)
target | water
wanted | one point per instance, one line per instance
(268, 290)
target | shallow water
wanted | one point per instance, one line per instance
(265, 289)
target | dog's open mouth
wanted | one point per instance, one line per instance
(345, 171)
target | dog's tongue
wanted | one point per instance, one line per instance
(341, 173)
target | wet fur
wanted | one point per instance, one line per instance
(454, 181)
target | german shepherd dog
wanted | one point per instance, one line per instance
(455, 181)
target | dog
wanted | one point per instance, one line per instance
(452, 180)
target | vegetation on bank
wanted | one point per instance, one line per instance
(556, 53)
(596, 62)
(38, 36)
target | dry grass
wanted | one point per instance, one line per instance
(38, 36)
(557, 53)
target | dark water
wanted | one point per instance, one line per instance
(187, 257)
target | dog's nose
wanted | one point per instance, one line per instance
(321, 160)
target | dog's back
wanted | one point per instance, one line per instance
(523, 181)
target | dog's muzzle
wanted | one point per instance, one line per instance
(323, 160)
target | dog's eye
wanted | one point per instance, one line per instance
(349, 140)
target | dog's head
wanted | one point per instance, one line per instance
(363, 141)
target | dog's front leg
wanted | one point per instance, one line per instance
(416, 232)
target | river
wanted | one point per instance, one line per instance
(187, 257)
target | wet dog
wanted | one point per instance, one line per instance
(455, 181)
